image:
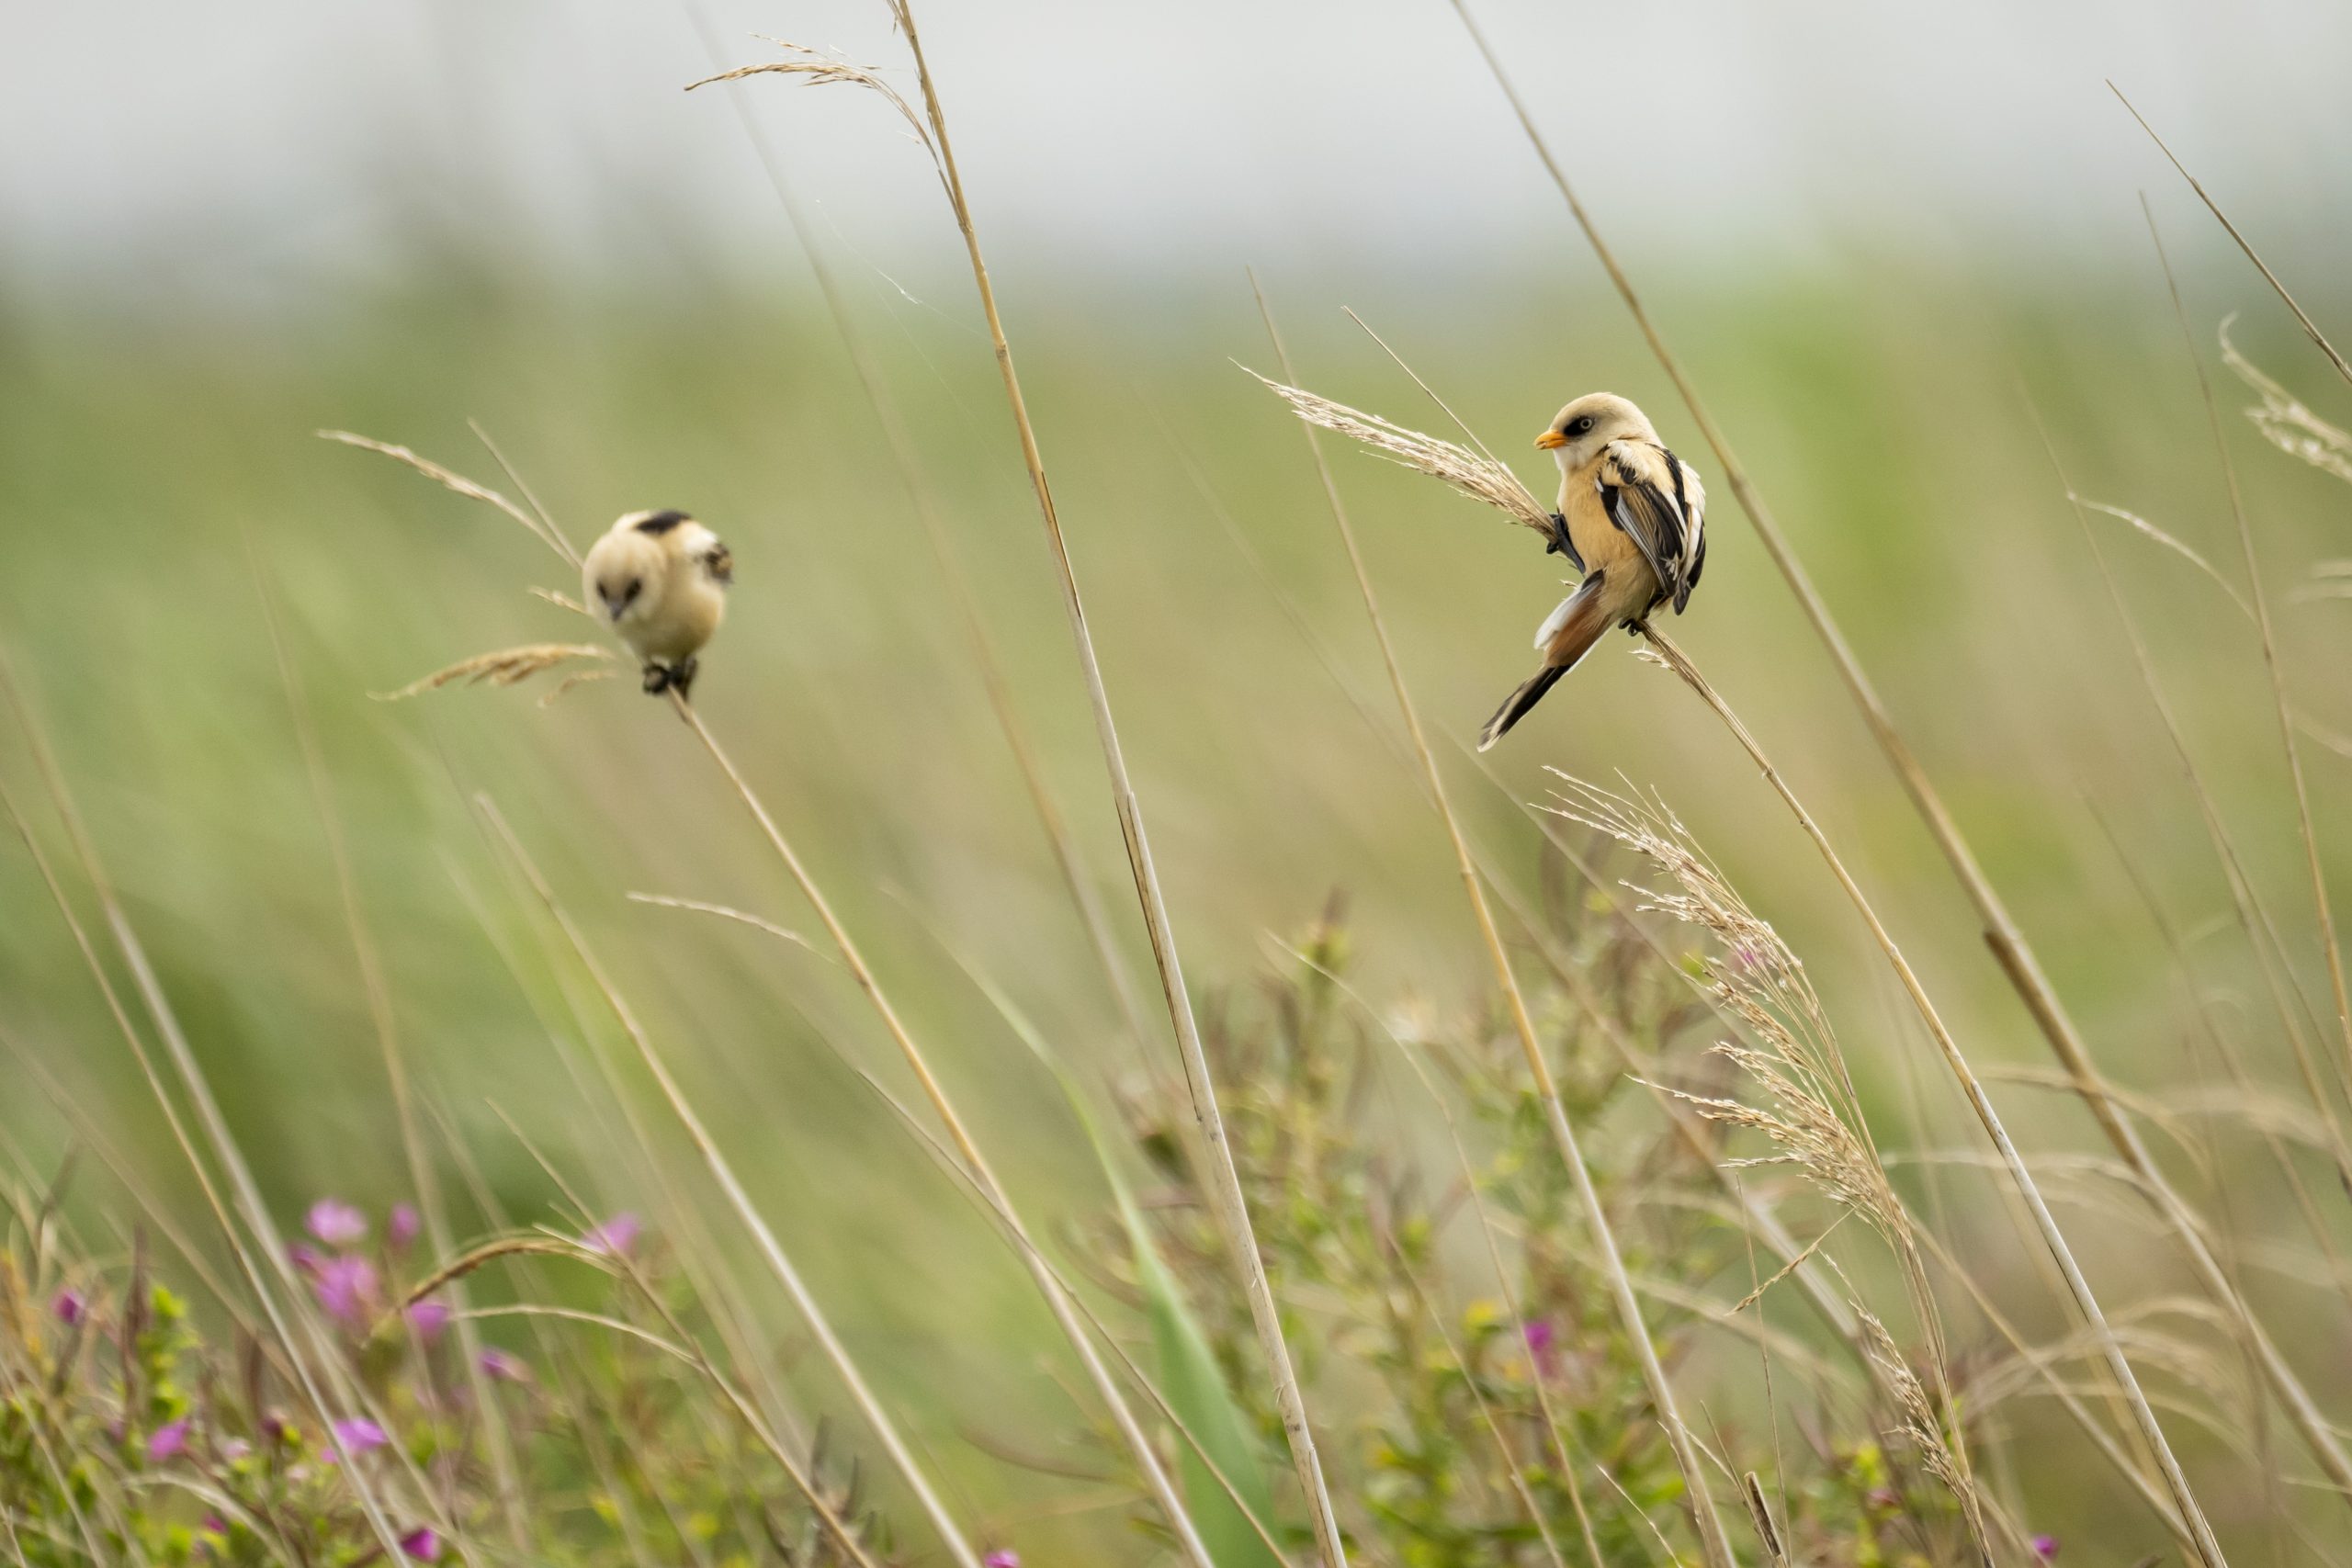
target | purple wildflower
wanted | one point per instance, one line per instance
(69, 1307)
(346, 1287)
(1001, 1559)
(336, 1223)
(615, 1237)
(305, 1256)
(428, 1318)
(1542, 1342)
(401, 1228)
(501, 1367)
(358, 1434)
(2045, 1547)
(422, 1544)
(168, 1441)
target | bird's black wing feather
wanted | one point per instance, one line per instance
(1653, 517)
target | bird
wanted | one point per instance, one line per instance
(1632, 519)
(661, 578)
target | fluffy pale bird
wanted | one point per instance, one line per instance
(661, 578)
(1632, 518)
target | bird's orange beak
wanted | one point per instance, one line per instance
(1550, 439)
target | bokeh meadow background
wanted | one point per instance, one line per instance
(1894, 250)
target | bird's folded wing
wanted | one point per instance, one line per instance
(1646, 491)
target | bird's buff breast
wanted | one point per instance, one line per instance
(1602, 544)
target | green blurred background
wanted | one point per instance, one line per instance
(518, 221)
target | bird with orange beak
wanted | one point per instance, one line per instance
(1632, 518)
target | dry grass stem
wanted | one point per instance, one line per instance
(782, 932)
(2283, 420)
(1471, 473)
(1075, 878)
(463, 486)
(2311, 327)
(2171, 542)
(501, 667)
(2321, 902)
(817, 69)
(722, 1170)
(1232, 1212)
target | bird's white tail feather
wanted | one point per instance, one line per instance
(1573, 628)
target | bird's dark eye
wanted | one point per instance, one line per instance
(1580, 425)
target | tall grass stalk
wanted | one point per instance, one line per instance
(2209, 1549)
(1225, 1182)
(2002, 934)
(424, 1180)
(317, 1371)
(923, 503)
(2311, 327)
(1611, 1263)
(2260, 599)
(1058, 1300)
(886, 1431)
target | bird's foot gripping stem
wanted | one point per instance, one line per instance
(678, 677)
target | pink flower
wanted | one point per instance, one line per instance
(1543, 1341)
(167, 1441)
(2045, 1547)
(401, 1228)
(70, 1306)
(1001, 1559)
(615, 1237)
(336, 1223)
(346, 1287)
(501, 1367)
(358, 1435)
(422, 1544)
(428, 1318)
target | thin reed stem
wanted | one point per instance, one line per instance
(2001, 931)
(1715, 1542)
(1056, 1299)
(319, 1370)
(920, 499)
(2311, 327)
(2261, 601)
(885, 1431)
(2209, 1549)
(1225, 1181)
(424, 1180)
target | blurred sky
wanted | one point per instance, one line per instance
(272, 151)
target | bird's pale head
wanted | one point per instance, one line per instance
(627, 570)
(1577, 436)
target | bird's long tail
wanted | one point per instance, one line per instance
(1570, 633)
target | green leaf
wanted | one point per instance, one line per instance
(1190, 1379)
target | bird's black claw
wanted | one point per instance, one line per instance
(683, 676)
(1558, 543)
(658, 679)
